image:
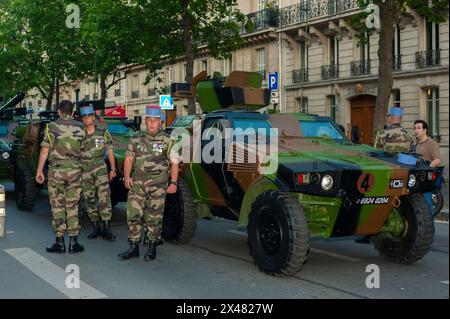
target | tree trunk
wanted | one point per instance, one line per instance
(49, 99)
(385, 51)
(188, 52)
(103, 87)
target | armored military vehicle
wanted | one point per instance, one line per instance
(322, 185)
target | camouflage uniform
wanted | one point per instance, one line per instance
(95, 175)
(63, 138)
(146, 198)
(394, 139)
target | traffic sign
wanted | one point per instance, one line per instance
(273, 81)
(166, 102)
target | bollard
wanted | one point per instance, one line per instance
(2, 211)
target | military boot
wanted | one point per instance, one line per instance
(59, 247)
(106, 231)
(151, 253)
(74, 246)
(132, 252)
(96, 230)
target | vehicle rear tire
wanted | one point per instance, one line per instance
(417, 237)
(278, 235)
(180, 215)
(26, 189)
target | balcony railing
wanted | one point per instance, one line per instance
(396, 62)
(428, 58)
(261, 20)
(300, 76)
(330, 71)
(360, 67)
(263, 74)
(306, 10)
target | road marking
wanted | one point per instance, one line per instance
(53, 274)
(441, 221)
(317, 251)
(335, 255)
(444, 282)
(10, 231)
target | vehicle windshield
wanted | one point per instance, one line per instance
(256, 125)
(320, 129)
(118, 128)
(184, 121)
(3, 130)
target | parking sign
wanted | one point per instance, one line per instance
(273, 81)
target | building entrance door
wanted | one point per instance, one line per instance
(362, 113)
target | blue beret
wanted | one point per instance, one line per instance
(87, 110)
(154, 111)
(396, 111)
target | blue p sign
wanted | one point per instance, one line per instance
(273, 81)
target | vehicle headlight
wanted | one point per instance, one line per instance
(5, 155)
(412, 180)
(327, 182)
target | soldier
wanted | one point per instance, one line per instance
(148, 156)
(62, 145)
(95, 178)
(394, 138)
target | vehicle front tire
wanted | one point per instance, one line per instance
(180, 215)
(278, 235)
(417, 237)
(25, 189)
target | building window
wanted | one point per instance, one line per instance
(39, 102)
(334, 50)
(303, 55)
(396, 61)
(118, 89)
(432, 110)
(205, 65)
(332, 105)
(227, 66)
(95, 97)
(432, 36)
(30, 104)
(262, 62)
(170, 72)
(183, 72)
(365, 48)
(395, 96)
(302, 103)
(261, 5)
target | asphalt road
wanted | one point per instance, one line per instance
(215, 265)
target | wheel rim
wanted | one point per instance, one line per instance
(270, 233)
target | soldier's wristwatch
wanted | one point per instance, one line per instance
(114, 170)
(173, 182)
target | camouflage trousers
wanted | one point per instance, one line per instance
(145, 208)
(96, 192)
(64, 189)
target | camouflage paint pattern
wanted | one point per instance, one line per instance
(63, 138)
(394, 139)
(96, 191)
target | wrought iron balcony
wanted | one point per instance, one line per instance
(306, 10)
(396, 62)
(261, 20)
(330, 71)
(360, 67)
(428, 58)
(263, 74)
(300, 76)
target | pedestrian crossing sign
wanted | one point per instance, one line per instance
(166, 102)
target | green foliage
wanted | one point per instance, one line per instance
(215, 24)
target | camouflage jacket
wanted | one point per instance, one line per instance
(394, 139)
(63, 138)
(150, 154)
(95, 145)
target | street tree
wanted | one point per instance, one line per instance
(38, 47)
(177, 30)
(390, 14)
